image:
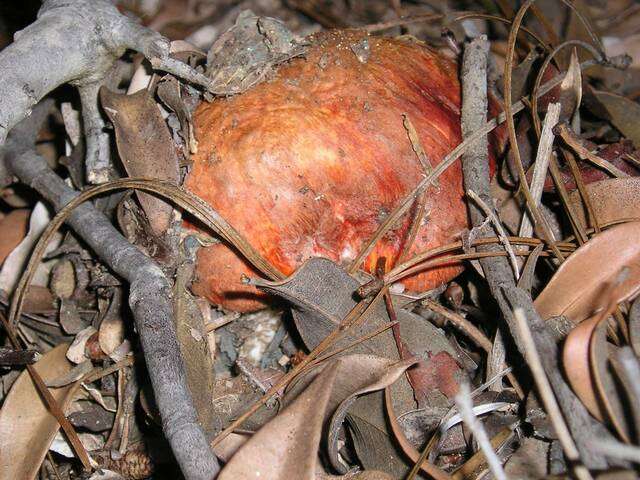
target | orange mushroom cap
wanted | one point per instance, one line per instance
(311, 161)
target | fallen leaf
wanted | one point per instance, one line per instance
(613, 200)
(624, 114)
(611, 257)
(575, 360)
(287, 446)
(606, 384)
(145, 147)
(195, 350)
(529, 462)
(111, 331)
(76, 352)
(13, 265)
(14, 228)
(26, 426)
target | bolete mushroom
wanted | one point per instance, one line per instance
(310, 161)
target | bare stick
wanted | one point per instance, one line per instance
(149, 300)
(500, 231)
(497, 271)
(542, 163)
(465, 407)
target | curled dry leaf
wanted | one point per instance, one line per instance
(585, 358)
(14, 263)
(605, 382)
(613, 200)
(611, 257)
(26, 426)
(76, 352)
(287, 446)
(14, 228)
(111, 332)
(145, 147)
(575, 359)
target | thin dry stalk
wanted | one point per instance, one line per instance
(541, 166)
(502, 234)
(583, 152)
(465, 407)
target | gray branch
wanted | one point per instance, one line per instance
(150, 300)
(77, 42)
(475, 164)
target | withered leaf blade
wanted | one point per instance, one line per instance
(571, 89)
(321, 294)
(575, 360)
(145, 147)
(287, 446)
(247, 52)
(375, 449)
(26, 426)
(520, 75)
(611, 257)
(624, 114)
(605, 383)
(613, 200)
(192, 337)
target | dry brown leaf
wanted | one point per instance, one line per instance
(26, 426)
(605, 383)
(624, 114)
(575, 359)
(611, 257)
(14, 227)
(194, 348)
(111, 332)
(287, 446)
(613, 200)
(145, 147)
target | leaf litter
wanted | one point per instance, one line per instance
(344, 384)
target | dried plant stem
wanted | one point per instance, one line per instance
(619, 450)
(522, 179)
(546, 394)
(541, 166)
(576, 224)
(574, 142)
(502, 234)
(584, 193)
(465, 407)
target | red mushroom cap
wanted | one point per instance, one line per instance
(309, 162)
